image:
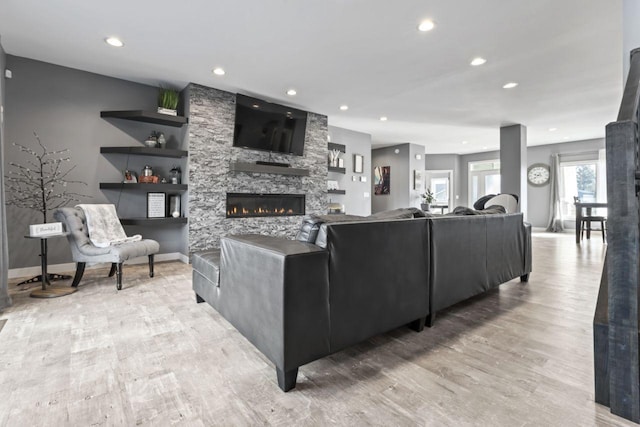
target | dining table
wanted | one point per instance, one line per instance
(587, 206)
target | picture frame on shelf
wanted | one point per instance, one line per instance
(156, 205)
(358, 163)
(130, 177)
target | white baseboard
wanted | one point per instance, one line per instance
(14, 273)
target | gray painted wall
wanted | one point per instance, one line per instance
(212, 120)
(398, 195)
(5, 301)
(357, 201)
(402, 165)
(539, 196)
(513, 163)
(63, 106)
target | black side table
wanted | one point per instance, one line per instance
(46, 278)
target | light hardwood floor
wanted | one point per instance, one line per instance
(149, 355)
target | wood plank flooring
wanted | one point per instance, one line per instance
(149, 355)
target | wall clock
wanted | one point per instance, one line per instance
(538, 174)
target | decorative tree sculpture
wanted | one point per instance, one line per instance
(41, 184)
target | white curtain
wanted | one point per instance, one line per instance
(555, 206)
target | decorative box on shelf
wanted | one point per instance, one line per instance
(167, 111)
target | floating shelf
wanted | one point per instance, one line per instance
(140, 186)
(339, 147)
(337, 170)
(153, 221)
(145, 151)
(337, 192)
(278, 170)
(147, 117)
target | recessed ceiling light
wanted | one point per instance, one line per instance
(344, 107)
(291, 92)
(383, 119)
(485, 148)
(465, 142)
(478, 61)
(397, 151)
(566, 137)
(553, 129)
(255, 106)
(114, 41)
(426, 25)
(510, 85)
(218, 71)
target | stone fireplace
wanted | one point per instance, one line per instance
(243, 205)
(212, 179)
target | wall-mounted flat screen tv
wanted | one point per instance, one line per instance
(261, 125)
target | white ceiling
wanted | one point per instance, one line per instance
(566, 56)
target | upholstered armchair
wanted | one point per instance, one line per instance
(83, 251)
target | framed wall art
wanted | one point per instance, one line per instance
(358, 163)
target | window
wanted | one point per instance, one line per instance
(484, 178)
(440, 182)
(585, 179)
(440, 189)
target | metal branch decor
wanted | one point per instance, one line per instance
(41, 184)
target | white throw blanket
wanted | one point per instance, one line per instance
(104, 226)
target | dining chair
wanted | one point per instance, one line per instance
(585, 223)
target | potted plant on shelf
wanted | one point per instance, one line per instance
(427, 199)
(168, 102)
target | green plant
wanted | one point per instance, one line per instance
(168, 98)
(428, 197)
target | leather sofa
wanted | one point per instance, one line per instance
(298, 301)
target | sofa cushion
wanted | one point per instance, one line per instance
(491, 210)
(207, 263)
(399, 213)
(311, 224)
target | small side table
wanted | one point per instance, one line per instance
(45, 278)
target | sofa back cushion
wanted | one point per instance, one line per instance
(378, 277)
(310, 226)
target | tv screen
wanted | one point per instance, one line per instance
(261, 125)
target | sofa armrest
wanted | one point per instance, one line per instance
(276, 293)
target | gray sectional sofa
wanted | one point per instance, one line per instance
(342, 282)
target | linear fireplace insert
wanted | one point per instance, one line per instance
(242, 205)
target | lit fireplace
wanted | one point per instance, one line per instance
(242, 205)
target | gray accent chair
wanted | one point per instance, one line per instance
(83, 251)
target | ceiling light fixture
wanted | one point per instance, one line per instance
(478, 61)
(291, 92)
(383, 119)
(485, 148)
(510, 85)
(426, 25)
(255, 106)
(218, 71)
(344, 107)
(465, 142)
(114, 41)
(553, 129)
